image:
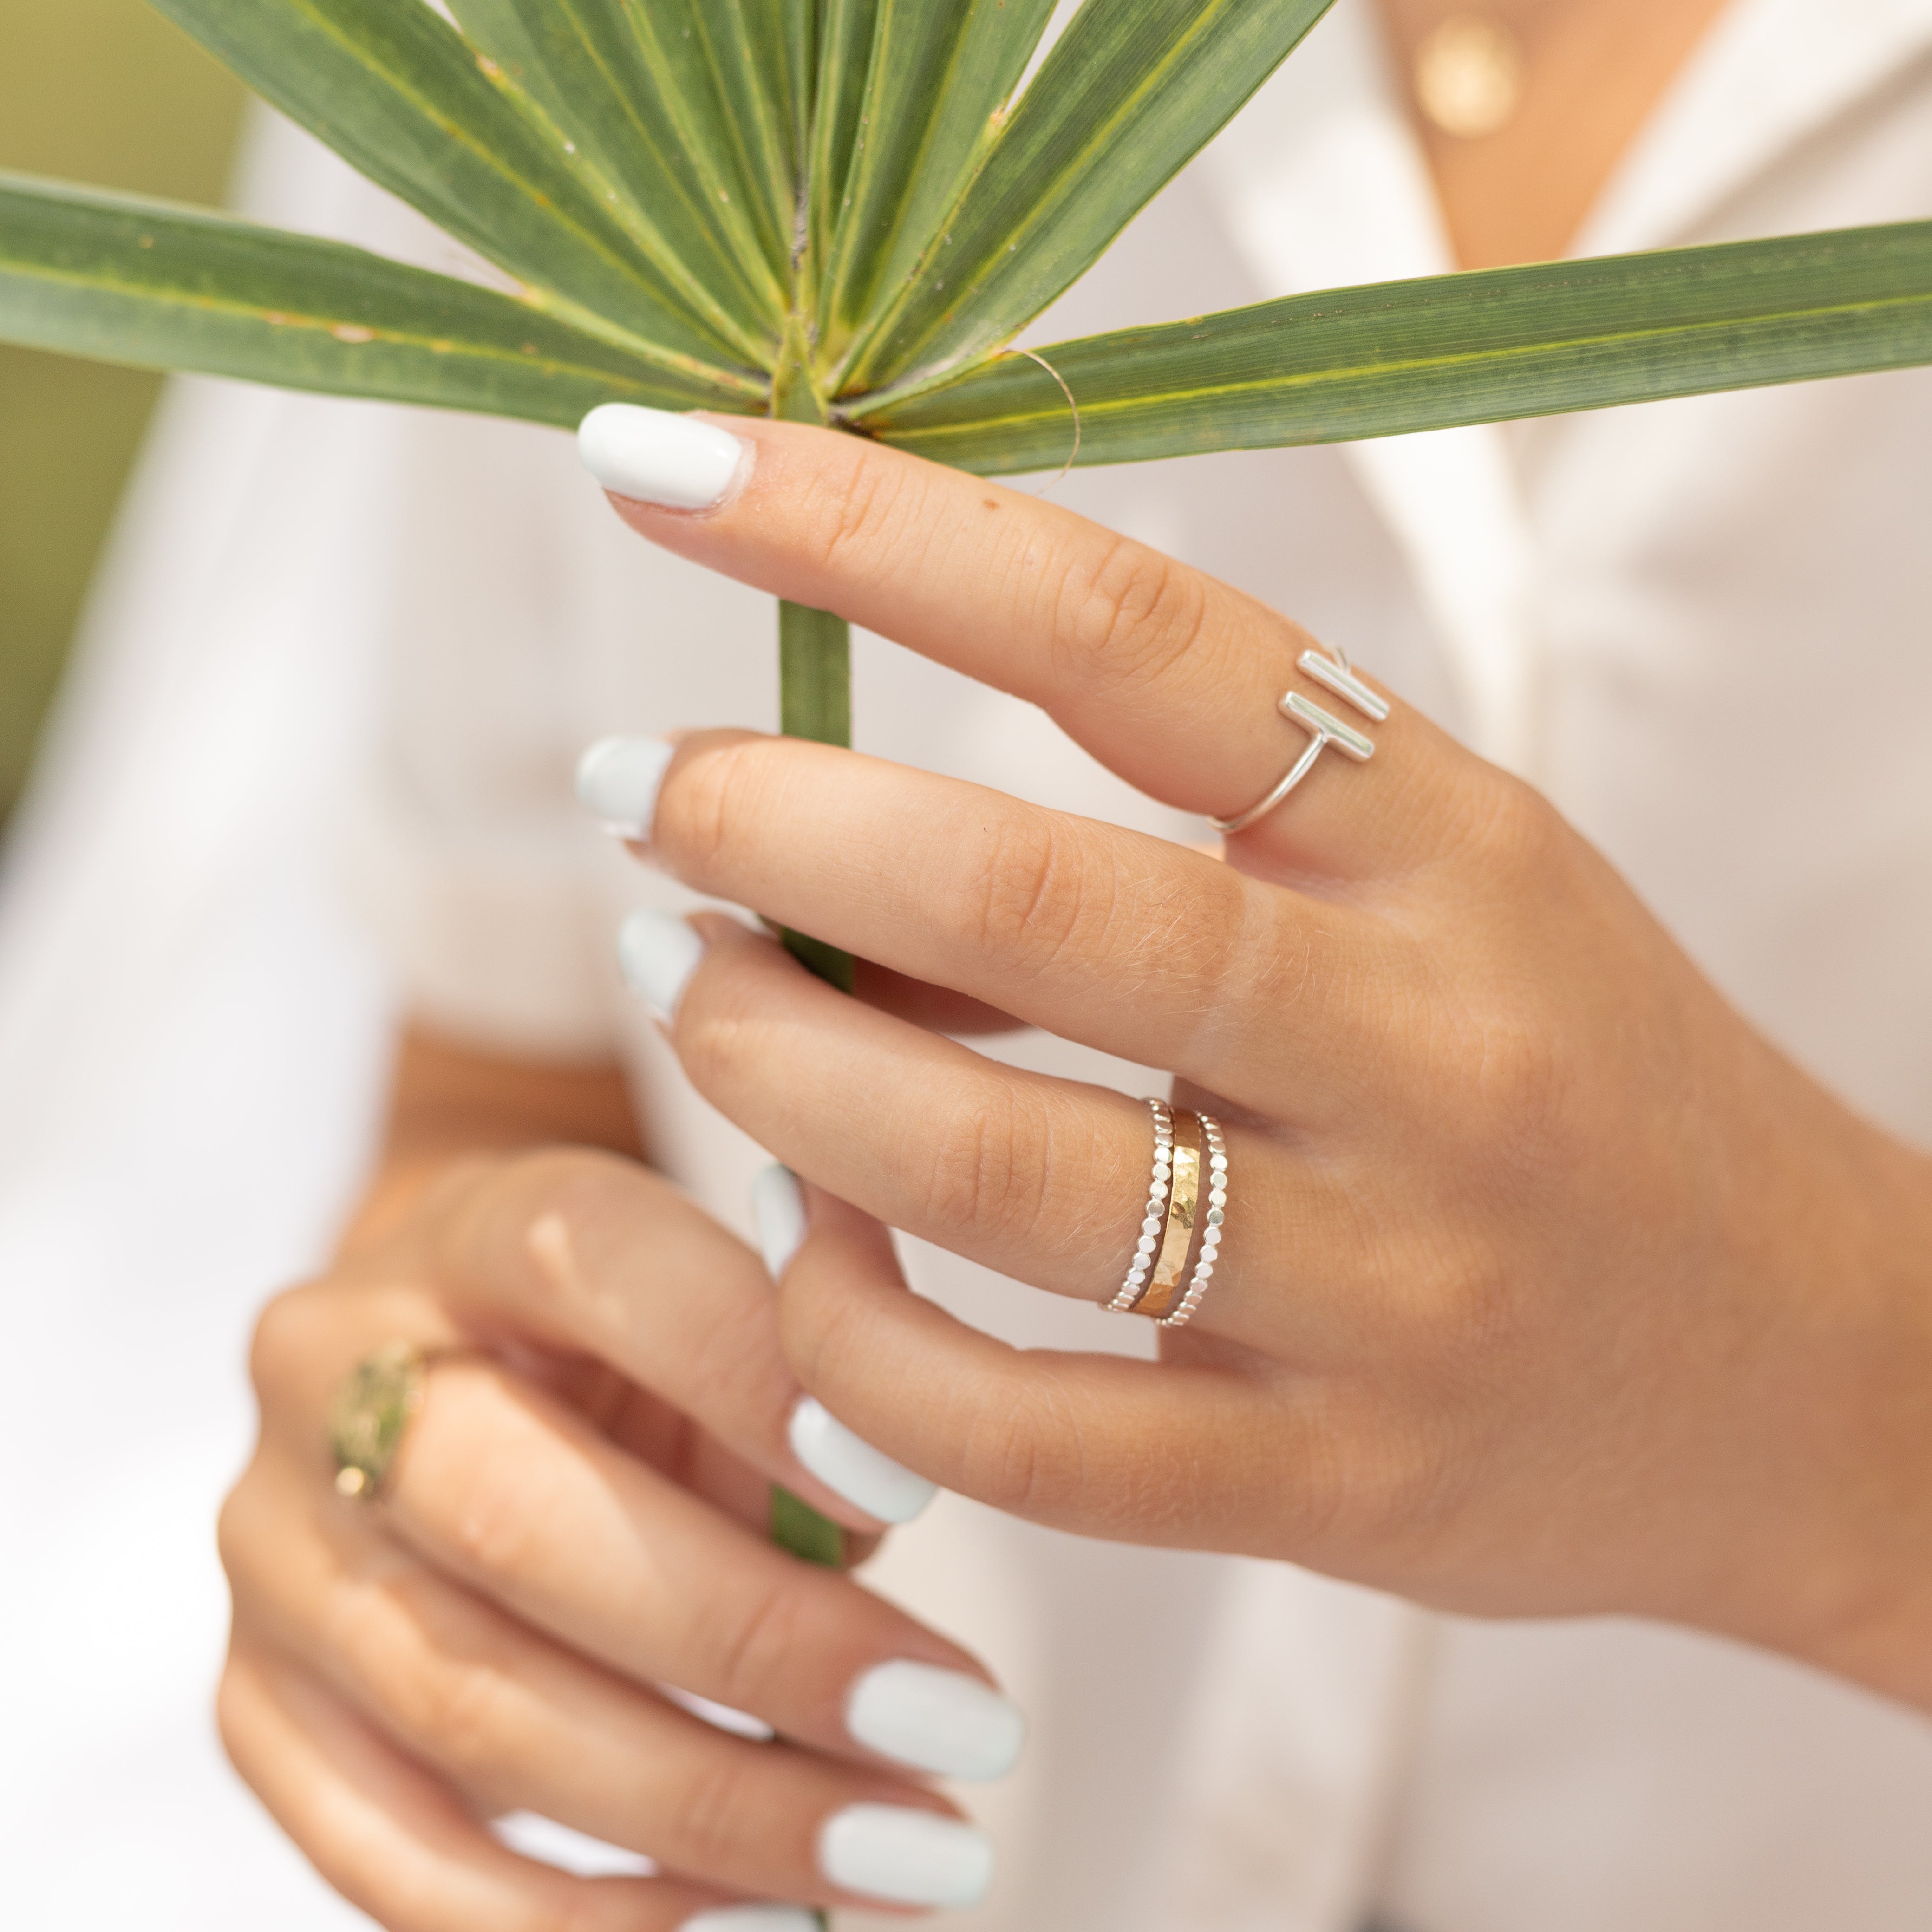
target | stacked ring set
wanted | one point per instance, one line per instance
(1190, 1160)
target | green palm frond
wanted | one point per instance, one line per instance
(843, 210)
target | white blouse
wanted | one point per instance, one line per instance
(1702, 626)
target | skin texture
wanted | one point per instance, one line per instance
(1549, 1285)
(577, 1514)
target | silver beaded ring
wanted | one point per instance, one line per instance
(1216, 1149)
(1135, 1286)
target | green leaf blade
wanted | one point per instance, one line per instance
(938, 81)
(397, 93)
(847, 46)
(123, 279)
(637, 87)
(1400, 357)
(1130, 93)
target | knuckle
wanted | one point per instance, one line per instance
(441, 1691)
(757, 1644)
(1019, 1455)
(234, 1529)
(981, 1182)
(231, 1716)
(497, 1519)
(1458, 1310)
(862, 509)
(706, 1826)
(1128, 613)
(1515, 828)
(282, 1350)
(512, 1233)
(718, 1035)
(716, 792)
(457, 1709)
(1398, 1484)
(1029, 899)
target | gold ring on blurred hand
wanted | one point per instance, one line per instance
(379, 1398)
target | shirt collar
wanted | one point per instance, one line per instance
(1770, 74)
(1322, 184)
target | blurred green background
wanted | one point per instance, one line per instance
(99, 90)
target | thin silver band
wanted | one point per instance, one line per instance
(1324, 727)
(1155, 1219)
(1214, 1192)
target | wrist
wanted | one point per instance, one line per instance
(1849, 1588)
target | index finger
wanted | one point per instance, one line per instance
(1167, 676)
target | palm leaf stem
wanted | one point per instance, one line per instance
(815, 702)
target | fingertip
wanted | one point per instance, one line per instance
(660, 459)
(849, 1466)
(618, 780)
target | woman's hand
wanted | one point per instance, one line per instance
(577, 1516)
(1547, 1286)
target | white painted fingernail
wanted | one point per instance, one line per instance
(652, 456)
(865, 1478)
(618, 780)
(657, 955)
(911, 1858)
(938, 1721)
(777, 1202)
(754, 1919)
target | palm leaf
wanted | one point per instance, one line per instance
(660, 146)
(1131, 92)
(128, 280)
(395, 90)
(842, 66)
(938, 79)
(638, 87)
(1403, 356)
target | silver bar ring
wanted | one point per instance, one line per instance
(1324, 729)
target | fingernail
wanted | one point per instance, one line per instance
(866, 1479)
(618, 780)
(652, 456)
(657, 955)
(938, 1721)
(754, 1919)
(910, 1857)
(778, 1203)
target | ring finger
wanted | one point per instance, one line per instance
(1042, 1179)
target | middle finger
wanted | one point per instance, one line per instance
(1128, 943)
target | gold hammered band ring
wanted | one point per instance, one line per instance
(1187, 1196)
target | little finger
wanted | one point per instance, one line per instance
(399, 1844)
